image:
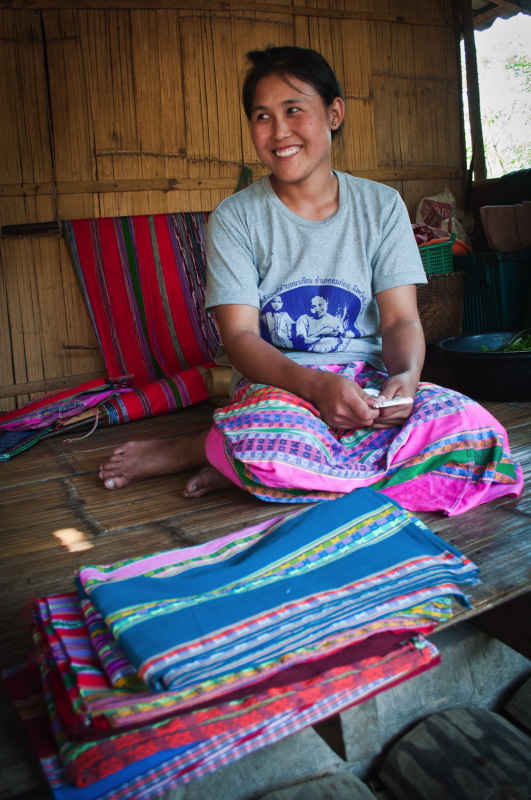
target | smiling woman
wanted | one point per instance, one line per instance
(296, 108)
(311, 276)
(292, 63)
(291, 129)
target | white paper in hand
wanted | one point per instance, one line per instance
(396, 401)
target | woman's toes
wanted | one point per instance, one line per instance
(117, 482)
(207, 480)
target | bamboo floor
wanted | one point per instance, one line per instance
(55, 516)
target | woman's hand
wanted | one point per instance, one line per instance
(341, 402)
(402, 385)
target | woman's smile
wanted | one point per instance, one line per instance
(286, 152)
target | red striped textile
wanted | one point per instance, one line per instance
(143, 281)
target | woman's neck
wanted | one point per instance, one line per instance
(312, 200)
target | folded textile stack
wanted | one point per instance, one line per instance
(43, 416)
(163, 668)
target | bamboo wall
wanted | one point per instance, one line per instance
(111, 108)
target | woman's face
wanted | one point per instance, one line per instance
(291, 128)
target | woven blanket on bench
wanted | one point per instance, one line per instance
(143, 280)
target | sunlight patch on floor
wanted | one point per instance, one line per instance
(74, 540)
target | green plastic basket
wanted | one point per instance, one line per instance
(437, 259)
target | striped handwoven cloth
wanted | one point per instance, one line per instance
(261, 632)
(143, 281)
(204, 622)
(144, 761)
(63, 635)
(23, 427)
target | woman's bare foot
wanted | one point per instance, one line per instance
(207, 480)
(138, 460)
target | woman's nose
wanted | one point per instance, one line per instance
(281, 127)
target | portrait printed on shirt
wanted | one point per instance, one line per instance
(315, 317)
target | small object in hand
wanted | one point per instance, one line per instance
(396, 401)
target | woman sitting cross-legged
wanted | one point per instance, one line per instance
(312, 277)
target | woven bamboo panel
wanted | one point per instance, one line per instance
(440, 303)
(25, 153)
(42, 308)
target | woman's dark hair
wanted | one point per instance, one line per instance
(287, 62)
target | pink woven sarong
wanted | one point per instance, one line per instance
(450, 455)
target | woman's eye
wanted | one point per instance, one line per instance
(263, 117)
(293, 110)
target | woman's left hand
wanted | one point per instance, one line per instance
(402, 385)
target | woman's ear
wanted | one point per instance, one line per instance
(336, 111)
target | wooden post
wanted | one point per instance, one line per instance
(474, 111)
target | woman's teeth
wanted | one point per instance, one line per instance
(289, 151)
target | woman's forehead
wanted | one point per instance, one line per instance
(283, 88)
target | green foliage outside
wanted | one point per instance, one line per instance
(504, 68)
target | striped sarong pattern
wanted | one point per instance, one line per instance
(450, 455)
(274, 595)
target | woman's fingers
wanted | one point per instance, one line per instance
(350, 412)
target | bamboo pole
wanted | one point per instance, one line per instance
(47, 385)
(224, 6)
(191, 184)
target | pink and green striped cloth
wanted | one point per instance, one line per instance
(233, 644)
(450, 455)
(202, 623)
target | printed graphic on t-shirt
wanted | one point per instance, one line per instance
(317, 318)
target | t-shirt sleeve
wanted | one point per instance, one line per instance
(397, 261)
(232, 276)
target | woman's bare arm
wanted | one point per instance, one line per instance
(403, 349)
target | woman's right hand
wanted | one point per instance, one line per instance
(341, 402)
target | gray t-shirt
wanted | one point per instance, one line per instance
(314, 282)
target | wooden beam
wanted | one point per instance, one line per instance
(492, 12)
(126, 185)
(509, 4)
(47, 385)
(472, 81)
(191, 184)
(413, 174)
(485, 15)
(221, 5)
